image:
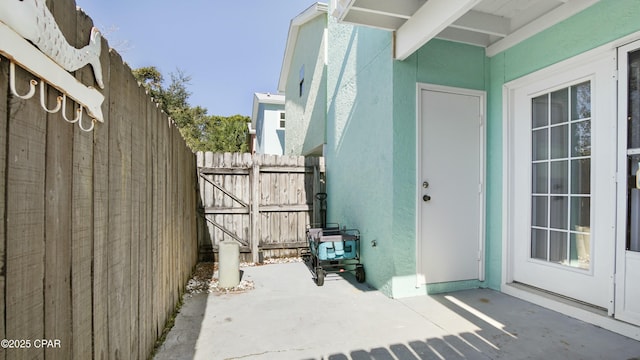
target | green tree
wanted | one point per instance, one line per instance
(227, 133)
(151, 79)
(201, 132)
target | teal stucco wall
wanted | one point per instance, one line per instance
(604, 22)
(441, 63)
(371, 152)
(306, 114)
(371, 125)
(360, 142)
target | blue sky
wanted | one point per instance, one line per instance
(231, 49)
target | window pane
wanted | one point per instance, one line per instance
(559, 142)
(581, 176)
(540, 144)
(633, 134)
(558, 247)
(633, 220)
(559, 106)
(560, 177)
(634, 101)
(580, 250)
(561, 174)
(539, 244)
(558, 212)
(539, 211)
(580, 213)
(581, 101)
(581, 138)
(540, 178)
(633, 211)
(540, 111)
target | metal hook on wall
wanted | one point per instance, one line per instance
(12, 83)
(43, 102)
(64, 110)
(61, 100)
(80, 122)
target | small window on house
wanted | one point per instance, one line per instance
(282, 123)
(301, 80)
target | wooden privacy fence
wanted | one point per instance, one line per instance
(264, 202)
(98, 230)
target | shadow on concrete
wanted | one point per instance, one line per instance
(447, 348)
(286, 316)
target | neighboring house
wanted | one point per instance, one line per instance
(303, 80)
(490, 144)
(267, 127)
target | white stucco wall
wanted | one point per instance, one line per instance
(306, 116)
(270, 137)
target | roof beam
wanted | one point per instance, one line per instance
(402, 9)
(380, 12)
(433, 17)
(465, 37)
(342, 8)
(565, 11)
(483, 23)
(371, 19)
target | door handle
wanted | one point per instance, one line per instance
(426, 198)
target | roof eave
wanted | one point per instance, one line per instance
(307, 15)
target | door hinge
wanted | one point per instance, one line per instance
(615, 74)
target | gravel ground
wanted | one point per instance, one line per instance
(205, 277)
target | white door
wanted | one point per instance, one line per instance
(628, 239)
(450, 184)
(561, 198)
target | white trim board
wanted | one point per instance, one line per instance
(20, 51)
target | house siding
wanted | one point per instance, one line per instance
(602, 23)
(360, 142)
(270, 137)
(371, 156)
(441, 63)
(306, 115)
(371, 130)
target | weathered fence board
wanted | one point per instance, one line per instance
(118, 248)
(264, 202)
(58, 221)
(101, 227)
(82, 244)
(83, 201)
(58, 225)
(25, 220)
(101, 218)
(4, 79)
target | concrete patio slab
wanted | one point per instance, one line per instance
(287, 316)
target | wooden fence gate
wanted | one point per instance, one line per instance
(264, 202)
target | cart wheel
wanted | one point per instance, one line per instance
(360, 274)
(319, 276)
